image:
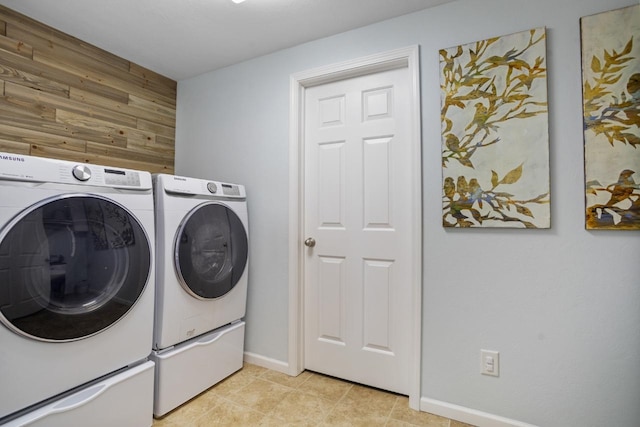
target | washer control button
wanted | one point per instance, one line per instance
(81, 172)
(212, 187)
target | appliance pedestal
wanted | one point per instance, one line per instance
(191, 367)
(124, 399)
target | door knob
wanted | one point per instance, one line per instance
(310, 242)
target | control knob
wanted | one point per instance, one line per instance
(81, 172)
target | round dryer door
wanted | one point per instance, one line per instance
(70, 267)
(210, 251)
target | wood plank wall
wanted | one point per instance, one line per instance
(63, 98)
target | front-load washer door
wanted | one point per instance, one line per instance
(70, 267)
(210, 251)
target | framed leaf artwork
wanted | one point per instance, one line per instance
(611, 111)
(495, 137)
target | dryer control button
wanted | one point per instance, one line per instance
(81, 172)
(212, 187)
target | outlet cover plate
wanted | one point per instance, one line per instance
(490, 363)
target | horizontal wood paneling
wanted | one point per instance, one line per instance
(63, 98)
(20, 48)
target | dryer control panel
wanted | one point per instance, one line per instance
(174, 184)
(18, 167)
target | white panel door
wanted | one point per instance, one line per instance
(357, 195)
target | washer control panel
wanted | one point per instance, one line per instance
(18, 167)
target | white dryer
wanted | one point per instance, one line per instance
(76, 290)
(201, 291)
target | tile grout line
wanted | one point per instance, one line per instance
(262, 377)
(292, 389)
(333, 407)
(391, 411)
(228, 401)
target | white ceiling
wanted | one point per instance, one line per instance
(184, 38)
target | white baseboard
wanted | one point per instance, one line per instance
(467, 415)
(266, 362)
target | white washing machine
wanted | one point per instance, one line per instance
(201, 288)
(76, 291)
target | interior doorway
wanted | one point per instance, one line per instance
(380, 86)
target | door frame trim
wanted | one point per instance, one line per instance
(409, 58)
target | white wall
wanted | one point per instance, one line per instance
(561, 305)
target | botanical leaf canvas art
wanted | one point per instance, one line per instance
(611, 107)
(495, 139)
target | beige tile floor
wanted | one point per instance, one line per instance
(256, 396)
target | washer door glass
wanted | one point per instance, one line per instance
(210, 251)
(71, 267)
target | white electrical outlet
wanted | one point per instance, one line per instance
(490, 363)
